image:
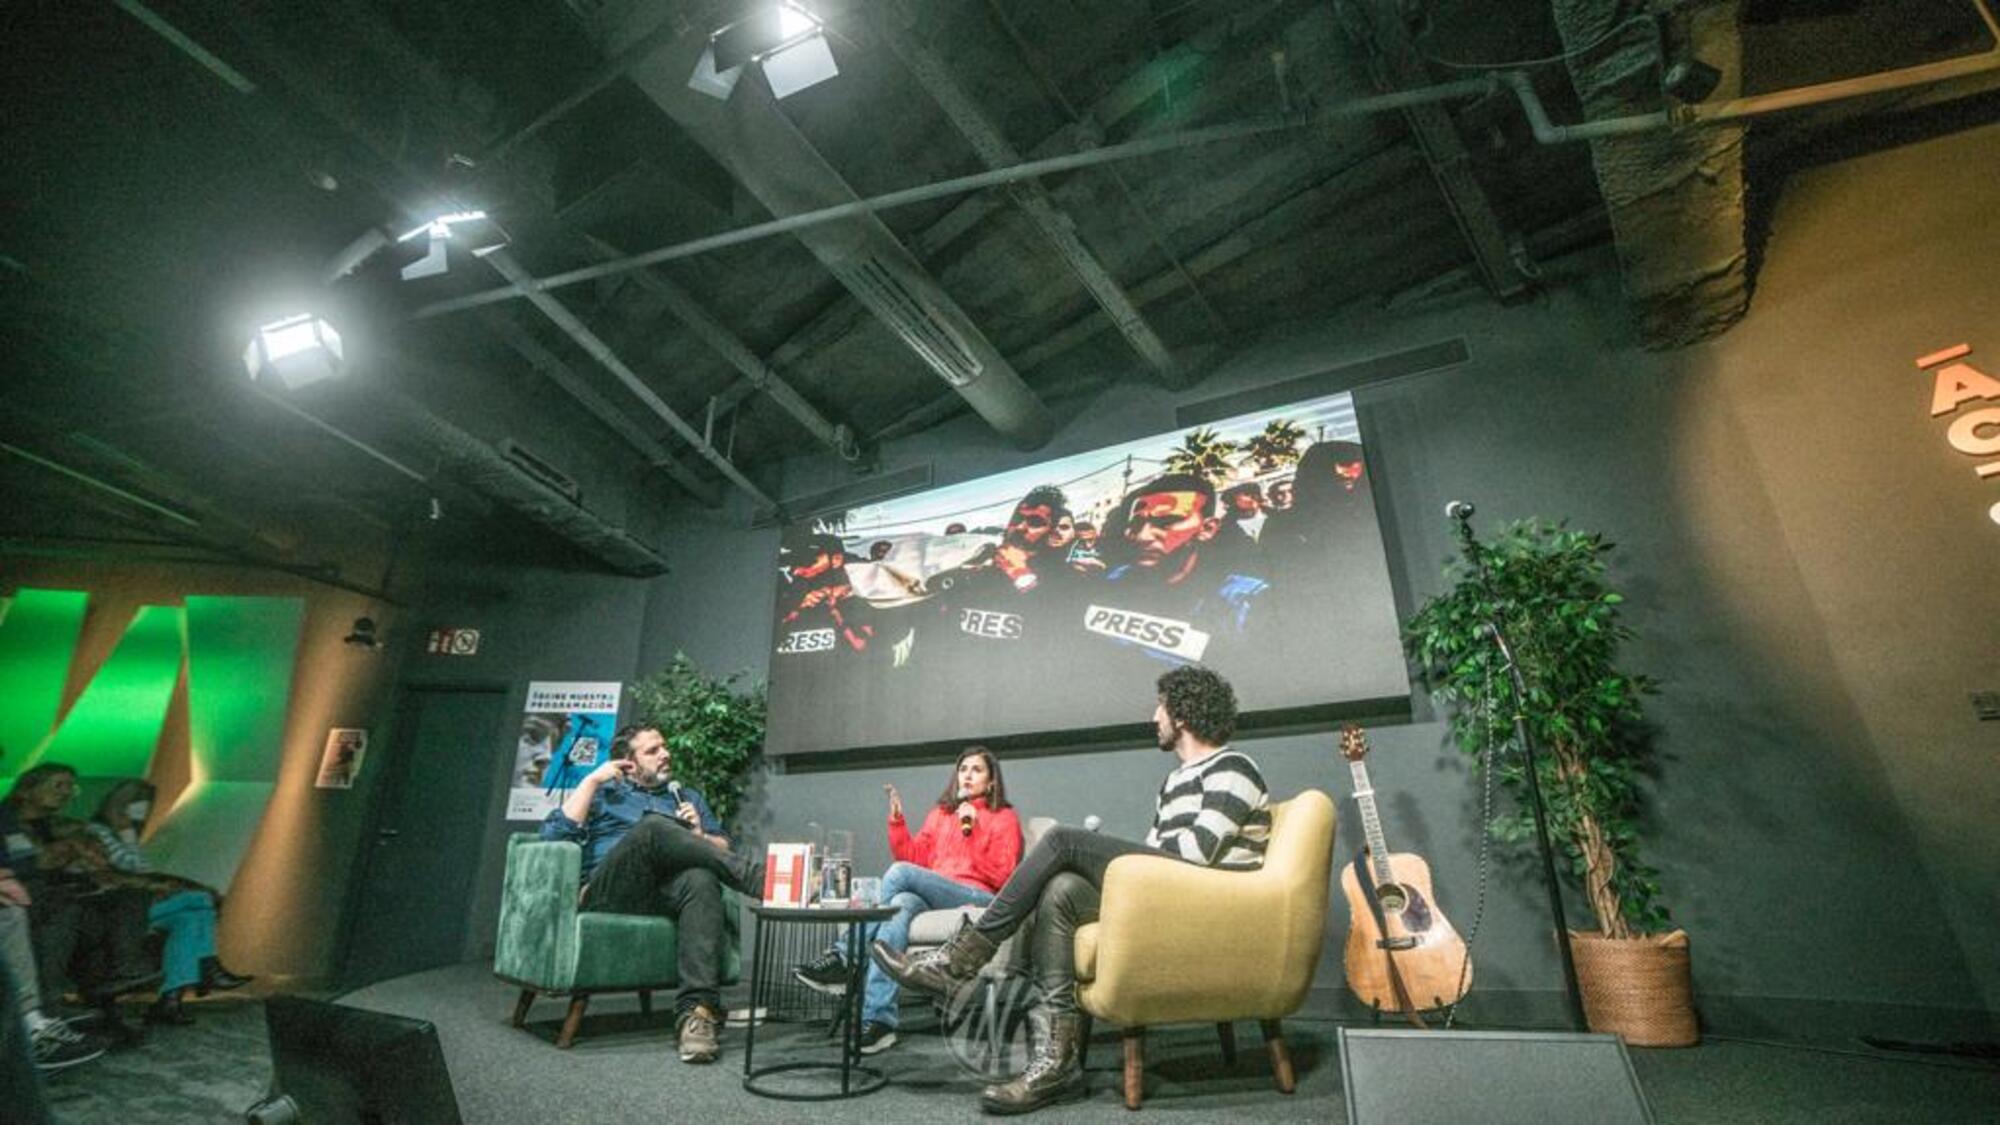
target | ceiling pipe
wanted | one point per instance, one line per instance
(101, 485)
(1545, 131)
(1149, 146)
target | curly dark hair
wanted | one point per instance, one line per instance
(621, 743)
(1200, 700)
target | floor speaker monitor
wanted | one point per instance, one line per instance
(1408, 1077)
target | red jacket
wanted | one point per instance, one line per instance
(983, 859)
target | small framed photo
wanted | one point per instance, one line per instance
(340, 761)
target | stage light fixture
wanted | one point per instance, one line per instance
(488, 236)
(785, 39)
(298, 351)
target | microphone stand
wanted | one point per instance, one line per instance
(1527, 741)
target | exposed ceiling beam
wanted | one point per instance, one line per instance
(559, 372)
(896, 24)
(755, 372)
(560, 315)
(749, 135)
(1395, 64)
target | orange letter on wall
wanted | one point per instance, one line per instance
(1965, 437)
(1959, 383)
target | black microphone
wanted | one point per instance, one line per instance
(1458, 510)
(964, 818)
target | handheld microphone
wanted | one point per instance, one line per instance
(674, 791)
(964, 818)
(1458, 510)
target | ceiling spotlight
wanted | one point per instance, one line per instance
(782, 37)
(297, 351)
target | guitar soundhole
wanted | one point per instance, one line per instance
(1392, 898)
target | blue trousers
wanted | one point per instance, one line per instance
(188, 920)
(911, 890)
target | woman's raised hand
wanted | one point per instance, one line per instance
(895, 802)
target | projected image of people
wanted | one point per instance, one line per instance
(1018, 603)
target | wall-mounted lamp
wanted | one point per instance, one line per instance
(363, 635)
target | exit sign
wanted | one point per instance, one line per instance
(453, 642)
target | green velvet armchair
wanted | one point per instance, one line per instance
(547, 946)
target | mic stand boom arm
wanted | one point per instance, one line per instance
(1527, 742)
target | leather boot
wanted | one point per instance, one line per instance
(939, 972)
(169, 1010)
(215, 978)
(1055, 1068)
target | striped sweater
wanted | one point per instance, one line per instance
(1215, 812)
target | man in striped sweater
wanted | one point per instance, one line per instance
(1212, 809)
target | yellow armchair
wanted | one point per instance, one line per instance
(1176, 943)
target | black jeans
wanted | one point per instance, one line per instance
(86, 936)
(1058, 882)
(661, 868)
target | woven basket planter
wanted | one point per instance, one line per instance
(1637, 987)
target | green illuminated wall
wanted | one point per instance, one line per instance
(115, 725)
(38, 631)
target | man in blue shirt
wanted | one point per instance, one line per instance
(652, 846)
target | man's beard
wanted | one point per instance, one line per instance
(1167, 741)
(650, 780)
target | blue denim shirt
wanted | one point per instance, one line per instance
(614, 809)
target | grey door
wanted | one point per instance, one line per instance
(413, 901)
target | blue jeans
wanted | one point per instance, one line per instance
(911, 890)
(188, 919)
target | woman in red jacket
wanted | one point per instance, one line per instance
(968, 845)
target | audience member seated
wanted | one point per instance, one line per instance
(1213, 809)
(969, 844)
(81, 933)
(182, 909)
(53, 1043)
(652, 846)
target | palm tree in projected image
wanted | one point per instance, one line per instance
(1277, 446)
(1202, 453)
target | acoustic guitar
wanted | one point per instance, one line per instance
(1395, 916)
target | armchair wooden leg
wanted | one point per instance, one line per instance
(1135, 1066)
(573, 1020)
(1227, 1031)
(521, 1006)
(1281, 1059)
(645, 1001)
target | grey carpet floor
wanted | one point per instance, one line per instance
(623, 1068)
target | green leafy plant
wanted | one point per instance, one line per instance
(713, 728)
(1277, 446)
(1548, 592)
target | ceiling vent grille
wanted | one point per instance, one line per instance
(930, 337)
(539, 469)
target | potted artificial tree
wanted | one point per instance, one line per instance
(712, 728)
(1544, 584)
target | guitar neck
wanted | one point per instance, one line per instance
(1371, 822)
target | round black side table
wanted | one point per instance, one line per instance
(855, 1079)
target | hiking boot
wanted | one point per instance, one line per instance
(827, 975)
(876, 1037)
(1055, 1069)
(697, 1031)
(58, 1045)
(939, 972)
